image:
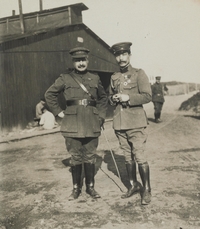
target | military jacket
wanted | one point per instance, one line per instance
(134, 82)
(157, 93)
(79, 120)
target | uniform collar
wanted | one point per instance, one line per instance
(80, 73)
(126, 68)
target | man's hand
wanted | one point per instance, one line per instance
(61, 114)
(124, 98)
(115, 98)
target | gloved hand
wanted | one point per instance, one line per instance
(124, 98)
(120, 97)
(101, 122)
(61, 114)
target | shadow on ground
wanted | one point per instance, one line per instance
(151, 119)
(120, 161)
(192, 116)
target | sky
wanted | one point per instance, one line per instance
(165, 34)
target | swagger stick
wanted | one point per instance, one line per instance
(111, 153)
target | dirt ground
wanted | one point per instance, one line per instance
(35, 179)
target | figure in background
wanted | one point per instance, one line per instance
(38, 109)
(86, 105)
(129, 90)
(165, 89)
(157, 98)
(47, 120)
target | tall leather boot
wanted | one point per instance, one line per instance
(76, 179)
(156, 117)
(89, 180)
(159, 114)
(135, 185)
(145, 177)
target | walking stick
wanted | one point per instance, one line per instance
(111, 153)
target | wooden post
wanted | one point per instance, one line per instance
(7, 25)
(41, 5)
(70, 15)
(21, 16)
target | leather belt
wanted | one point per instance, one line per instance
(126, 104)
(83, 102)
(136, 106)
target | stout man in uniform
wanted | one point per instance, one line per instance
(129, 90)
(86, 105)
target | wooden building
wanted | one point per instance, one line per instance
(34, 50)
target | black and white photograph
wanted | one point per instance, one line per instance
(99, 114)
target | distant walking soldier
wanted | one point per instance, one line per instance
(157, 98)
(129, 89)
(86, 105)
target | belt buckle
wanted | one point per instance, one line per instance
(84, 102)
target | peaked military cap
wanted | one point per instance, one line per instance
(158, 77)
(79, 52)
(121, 47)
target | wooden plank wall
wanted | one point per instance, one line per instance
(30, 65)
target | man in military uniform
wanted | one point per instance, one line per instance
(86, 105)
(129, 89)
(157, 98)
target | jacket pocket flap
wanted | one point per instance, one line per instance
(130, 85)
(93, 84)
(71, 110)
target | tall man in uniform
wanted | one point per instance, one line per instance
(129, 89)
(157, 98)
(86, 105)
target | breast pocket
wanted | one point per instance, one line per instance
(71, 91)
(130, 87)
(93, 86)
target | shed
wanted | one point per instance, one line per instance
(32, 59)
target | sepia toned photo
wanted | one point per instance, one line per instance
(100, 114)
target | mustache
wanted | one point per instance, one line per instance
(81, 65)
(122, 62)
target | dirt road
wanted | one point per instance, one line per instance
(35, 180)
